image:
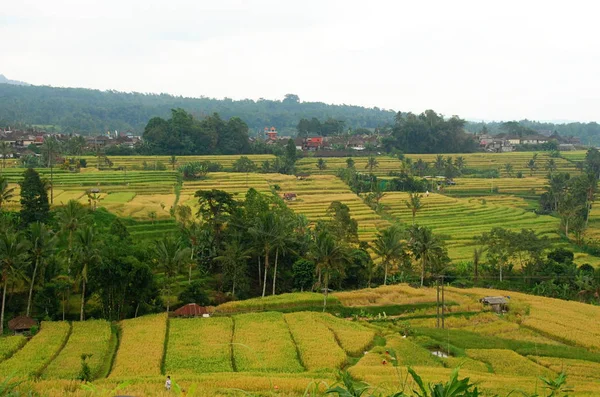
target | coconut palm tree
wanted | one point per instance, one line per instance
(266, 230)
(550, 166)
(508, 168)
(330, 256)
(4, 151)
(173, 162)
(13, 257)
(87, 256)
(372, 163)
(6, 193)
(233, 257)
(532, 165)
(414, 204)
(477, 255)
(42, 241)
(50, 148)
(70, 218)
(389, 247)
(170, 255)
(426, 248)
(439, 163)
(460, 163)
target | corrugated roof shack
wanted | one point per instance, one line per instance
(499, 304)
(192, 310)
(21, 324)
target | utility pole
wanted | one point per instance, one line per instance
(437, 306)
(443, 304)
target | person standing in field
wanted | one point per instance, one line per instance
(168, 383)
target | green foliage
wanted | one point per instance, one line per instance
(194, 293)
(34, 199)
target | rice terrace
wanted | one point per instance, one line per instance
(286, 198)
(285, 344)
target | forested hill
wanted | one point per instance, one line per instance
(91, 111)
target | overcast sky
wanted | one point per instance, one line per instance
(477, 59)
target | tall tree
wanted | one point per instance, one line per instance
(87, 256)
(50, 149)
(330, 257)
(71, 217)
(414, 204)
(4, 152)
(234, 258)
(170, 255)
(42, 245)
(389, 247)
(6, 193)
(216, 206)
(13, 257)
(265, 231)
(34, 198)
(372, 163)
(427, 248)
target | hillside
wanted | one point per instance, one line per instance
(287, 350)
(92, 111)
(5, 80)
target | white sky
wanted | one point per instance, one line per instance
(477, 59)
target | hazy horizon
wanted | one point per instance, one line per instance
(506, 61)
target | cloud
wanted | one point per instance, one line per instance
(503, 60)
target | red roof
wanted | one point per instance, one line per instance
(191, 310)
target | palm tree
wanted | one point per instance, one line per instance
(550, 166)
(265, 232)
(170, 255)
(425, 247)
(173, 162)
(6, 193)
(460, 163)
(389, 247)
(50, 148)
(283, 241)
(568, 210)
(70, 218)
(42, 241)
(420, 167)
(13, 257)
(439, 163)
(329, 256)
(531, 164)
(4, 150)
(88, 256)
(233, 257)
(321, 164)
(93, 199)
(372, 163)
(477, 254)
(349, 162)
(508, 168)
(414, 204)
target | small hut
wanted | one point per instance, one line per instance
(499, 304)
(289, 196)
(302, 176)
(192, 310)
(21, 324)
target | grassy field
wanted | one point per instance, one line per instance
(272, 352)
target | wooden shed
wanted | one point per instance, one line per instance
(499, 304)
(192, 310)
(21, 324)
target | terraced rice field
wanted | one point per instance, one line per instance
(459, 220)
(132, 162)
(481, 161)
(314, 195)
(275, 353)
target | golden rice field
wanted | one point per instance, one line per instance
(91, 337)
(32, 359)
(484, 161)
(141, 348)
(290, 353)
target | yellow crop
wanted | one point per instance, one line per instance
(353, 337)
(316, 343)
(38, 352)
(141, 347)
(262, 342)
(199, 345)
(508, 362)
(88, 337)
(10, 344)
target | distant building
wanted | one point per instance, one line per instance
(271, 133)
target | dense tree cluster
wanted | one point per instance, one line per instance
(91, 111)
(184, 135)
(429, 132)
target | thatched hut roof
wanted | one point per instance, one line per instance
(21, 323)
